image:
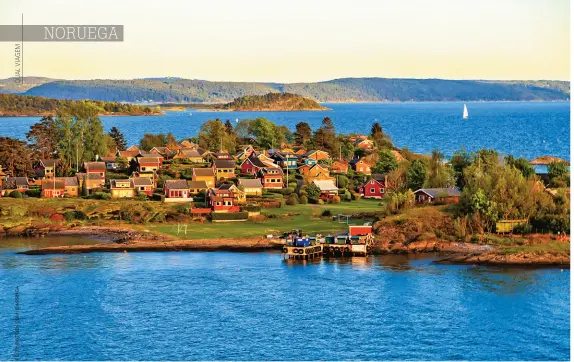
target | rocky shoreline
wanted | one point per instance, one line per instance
(509, 260)
(163, 244)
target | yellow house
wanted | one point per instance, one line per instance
(195, 187)
(224, 169)
(204, 174)
(239, 194)
(189, 154)
(251, 187)
(122, 188)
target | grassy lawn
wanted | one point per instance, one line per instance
(553, 247)
(305, 217)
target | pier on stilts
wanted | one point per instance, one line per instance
(358, 241)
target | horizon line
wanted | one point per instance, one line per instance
(275, 82)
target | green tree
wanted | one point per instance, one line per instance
(302, 133)
(84, 187)
(266, 133)
(120, 142)
(150, 140)
(214, 137)
(325, 139)
(380, 138)
(313, 191)
(440, 174)
(521, 164)
(15, 157)
(80, 134)
(559, 174)
(43, 137)
(416, 175)
(459, 161)
(386, 162)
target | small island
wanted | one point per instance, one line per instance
(273, 102)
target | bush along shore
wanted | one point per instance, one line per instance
(232, 186)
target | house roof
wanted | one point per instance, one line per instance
(226, 186)
(190, 153)
(187, 144)
(176, 184)
(450, 191)
(114, 181)
(222, 155)
(379, 176)
(130, 153)
(255, 162)
(197, 184)
(151, 160)
(325, 185)
(203, 172)
(49, 162)
(251, 183)
(354, 161)
(95, 166)
(70, 181)
(147, 154)
(53, 184)
(141, 181)
(108, 159)
(309, 153)
(132, 148)
(268, 171)
(224, 164)
(358, 141)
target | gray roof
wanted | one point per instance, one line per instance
(197, 184)
(256, 162)
(176, 184)
(13, 182)
(142, 181)
(438, 191)
(248, 182)
(203, 172)
(224, 163)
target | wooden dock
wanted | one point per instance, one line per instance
(302, 252)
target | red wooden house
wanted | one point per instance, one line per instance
(221, 200)
(251, 166)
(271, 177)
(143, 185)
(375, 187)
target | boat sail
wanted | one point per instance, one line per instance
(465, 112)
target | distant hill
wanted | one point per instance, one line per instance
(15, 85)
(14, 105)
(273, 102)
(170, 89)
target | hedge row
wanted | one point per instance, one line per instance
(229, 216)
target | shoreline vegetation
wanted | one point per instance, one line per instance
(13, 105)
(271, 102)
(474, 203)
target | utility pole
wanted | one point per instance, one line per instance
(54, 176)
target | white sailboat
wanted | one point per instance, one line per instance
(465, 112)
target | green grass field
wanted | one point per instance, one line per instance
(305, 217)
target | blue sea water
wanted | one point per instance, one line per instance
(255, 306)
(527, 129)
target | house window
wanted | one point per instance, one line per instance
(142, 188)
(372, 190)
(143, 168)
(381, 190)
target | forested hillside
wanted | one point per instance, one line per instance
(337, 90)
(17, 105)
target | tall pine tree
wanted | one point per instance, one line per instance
(119, 139)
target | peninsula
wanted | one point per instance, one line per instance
(14, 105)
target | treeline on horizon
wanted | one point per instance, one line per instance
(14, 104)
(337, 90)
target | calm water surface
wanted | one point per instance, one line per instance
(527, 129)
(198, 305)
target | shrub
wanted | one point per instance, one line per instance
(326, 213)
(303, 200)
(57, 217)
(183, 209)
(140, 197)
(356, 196)
(16, 194)
(75, 215)
(292, 200)
(335, 200)
(230, 216)
(34, 192)
(522, 229)
(347, 196)
(100, 195)
(320, 202)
